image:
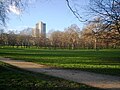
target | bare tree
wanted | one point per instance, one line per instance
(12, 38)
(109, 11)
(94, 34)
(72, 35)
(55, 39)
(5, 6)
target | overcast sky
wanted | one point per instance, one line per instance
(54, 13)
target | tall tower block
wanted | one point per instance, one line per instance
(40, 29)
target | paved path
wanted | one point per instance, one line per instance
(88, 78)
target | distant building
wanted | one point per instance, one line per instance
(39, 30)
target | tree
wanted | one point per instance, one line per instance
(96, 37)
(88, 36)
(5, 8)
(11, 38)
(72, 33)
(109, 11)
(56, 39)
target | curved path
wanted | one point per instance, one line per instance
(88, 78)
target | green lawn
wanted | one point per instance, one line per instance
(102, 61)
(12, 78)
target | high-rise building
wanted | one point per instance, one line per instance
(39, 30)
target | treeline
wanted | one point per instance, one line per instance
(90, 37)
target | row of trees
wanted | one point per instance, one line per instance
(90, 37)
(71, 38)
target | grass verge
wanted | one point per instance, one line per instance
(102, 61)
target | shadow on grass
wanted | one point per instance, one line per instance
(12, 78)
(106, 71)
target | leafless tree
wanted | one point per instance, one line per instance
(11, 38)
(5, 8)
(109, 11)
(73, 35)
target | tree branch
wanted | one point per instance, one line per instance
(75, 13)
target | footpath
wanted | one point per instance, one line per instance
(92, 79)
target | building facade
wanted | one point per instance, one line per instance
(39, 30)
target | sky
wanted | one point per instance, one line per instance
(54, 13)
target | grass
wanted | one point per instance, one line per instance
(12, 78)
(102, 61)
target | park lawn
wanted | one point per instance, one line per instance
(102, 61)
(12, 78)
